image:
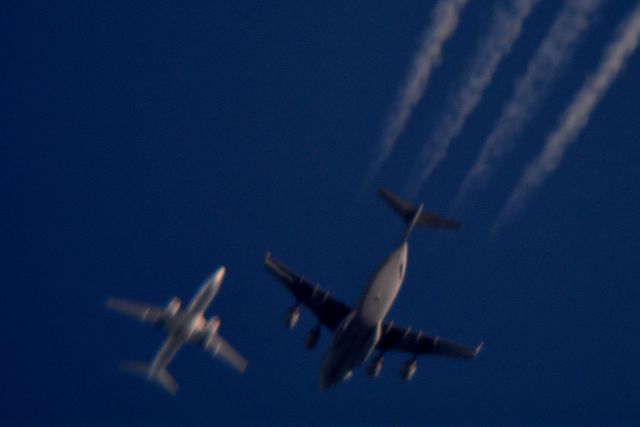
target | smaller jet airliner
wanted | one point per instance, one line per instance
(183, 326)
(359, 330)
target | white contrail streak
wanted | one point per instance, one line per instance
(552, 55)
(444, 21)
(576, 116)
(506, 26)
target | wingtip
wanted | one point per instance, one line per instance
(386, 194)
(478, 348)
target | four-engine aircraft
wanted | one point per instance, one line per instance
(360, 330)
(183, 326)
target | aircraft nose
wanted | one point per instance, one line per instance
(326, 383)
(330, 372)
(219, 275)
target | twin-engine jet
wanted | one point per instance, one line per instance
(360, 330)
(183, 326)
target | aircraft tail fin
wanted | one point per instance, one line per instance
(162, 378)
(416, 216)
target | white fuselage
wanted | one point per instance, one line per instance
(357, 335)
(186, 323)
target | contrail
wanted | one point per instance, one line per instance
(531, 89)
(576, 116)
(444, 21)
(506, 26)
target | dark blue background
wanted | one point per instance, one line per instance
(145, 143)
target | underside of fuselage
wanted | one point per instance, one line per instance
(382, 289)
(352, 343)
(358, 334)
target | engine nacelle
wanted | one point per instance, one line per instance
(212, 325)
(409, 370)
(291, 317)
(312, 338)
(375, 367)
(211, 329)
(174, 306)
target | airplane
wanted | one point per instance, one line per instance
(183, 326)
(360, 330)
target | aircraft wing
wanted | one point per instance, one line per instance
(145, 313)
(329, 310)
(417, 342)
(219, 348)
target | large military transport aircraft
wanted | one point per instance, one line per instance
(358, 331)
(183, 326)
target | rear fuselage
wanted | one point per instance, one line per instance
(357, 335)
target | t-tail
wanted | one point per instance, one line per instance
(416, 216)
(162, 378)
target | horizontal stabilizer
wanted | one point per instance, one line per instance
(163, 378)
(415, 215)
(167, 382)
(137, 368)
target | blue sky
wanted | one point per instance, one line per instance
(147, 143)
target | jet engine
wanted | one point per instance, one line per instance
(212, 325)
(312, 338)
(173, 306)
(375, 367)
(291, 317)
(211, 329)
(409, 369)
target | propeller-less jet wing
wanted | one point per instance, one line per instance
(186, 325)
(418, 342)
(361, 329)
(219, 348)
(326, 308)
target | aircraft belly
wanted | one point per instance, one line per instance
(381, 295)
(383, 288)
(206, 293)
(350, 347)
(203, 299)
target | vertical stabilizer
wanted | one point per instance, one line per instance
(413, 222)
(166, 381)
